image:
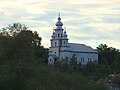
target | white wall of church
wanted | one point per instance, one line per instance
(67, 48)
(54, 50)
(64, 55)
(58, 34)
(83, 58)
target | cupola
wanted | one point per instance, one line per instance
(53, 35)
(59, 24)
(64, 36)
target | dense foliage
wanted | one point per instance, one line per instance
(18, 42)
(18, 55)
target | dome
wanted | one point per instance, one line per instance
(53, 35)
(59, 28)
(64, 35)
(59, 23)
(59, 18)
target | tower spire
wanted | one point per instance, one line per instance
(58, 14)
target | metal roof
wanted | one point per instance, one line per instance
(81, 48)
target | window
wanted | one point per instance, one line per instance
(82, 59)
(89, 59)
(58, 35)
(64, 42)
(75, 58)
(55, 43)
(55, 52)
(61, 35)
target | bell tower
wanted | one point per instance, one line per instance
(58, 39)
(57, 33)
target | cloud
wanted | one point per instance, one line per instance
(87, 21)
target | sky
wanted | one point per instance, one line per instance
(89, 22)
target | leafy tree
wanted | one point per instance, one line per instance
(73, 61)
(106, 54)
(17, 55)
(64, 64)
(109, 60)
(116, 63)
(20, 42)
(14, 29)
(41, 53)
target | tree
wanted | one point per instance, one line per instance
(109, 60)
(18, 43)
(64, 64)
(14, 29)
(116, 63)
(73, 61)
(17, 56)
(41, 53)
(106, 54)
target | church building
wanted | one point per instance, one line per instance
(60, 47)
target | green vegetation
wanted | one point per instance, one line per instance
(23, 64)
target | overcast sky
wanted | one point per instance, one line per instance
(89, 22)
